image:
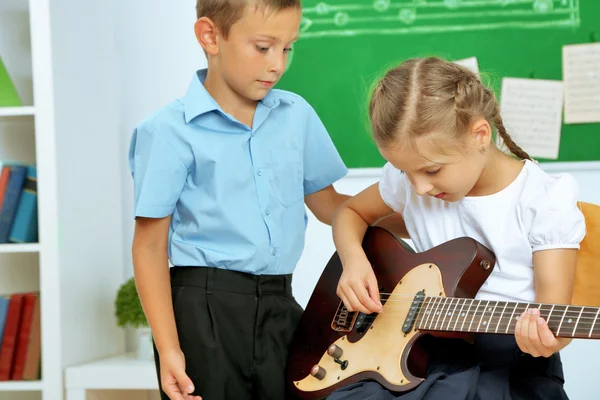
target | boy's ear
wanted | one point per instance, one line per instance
(206, 34)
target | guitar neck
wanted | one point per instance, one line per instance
(484, 316)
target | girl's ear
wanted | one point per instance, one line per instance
(206, 33)
(481, 133)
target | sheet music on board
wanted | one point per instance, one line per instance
(581, 76)
(470, 63)
(532, 113)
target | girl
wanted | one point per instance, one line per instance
(433, 121)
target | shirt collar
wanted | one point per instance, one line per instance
(198, 101)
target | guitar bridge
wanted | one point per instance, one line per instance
(344, 320)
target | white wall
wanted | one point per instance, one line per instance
(158, 54)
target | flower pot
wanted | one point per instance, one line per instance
(145, 351)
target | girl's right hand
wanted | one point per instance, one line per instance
(174, 381)
(358, 287)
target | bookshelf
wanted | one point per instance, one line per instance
(32, 386)
(16, 111)
(19, 248)
(60, 55)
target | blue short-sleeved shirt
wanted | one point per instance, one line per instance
(235, 193)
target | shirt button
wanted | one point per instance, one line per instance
(274, 251)
(267, 211)
(259, 172)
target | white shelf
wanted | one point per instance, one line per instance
(17, 111)
(19, 248)
(116, 373)
(21, 386)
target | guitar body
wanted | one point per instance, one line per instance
(377, 348)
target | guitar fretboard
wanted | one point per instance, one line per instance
(485, 316)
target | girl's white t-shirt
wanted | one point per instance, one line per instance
(537, 211)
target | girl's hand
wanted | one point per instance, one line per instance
(535, 338)
(358, 287)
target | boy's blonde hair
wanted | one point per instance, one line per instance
(425, 95)
(224, 13)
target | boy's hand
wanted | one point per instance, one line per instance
(358, 287)
(175, 383)
(535, 338)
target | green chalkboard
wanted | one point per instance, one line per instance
(345, 45)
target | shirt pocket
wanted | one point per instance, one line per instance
(287, 181)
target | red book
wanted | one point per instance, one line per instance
(31, 371)
(9, 340)
(29, 302)
(4, 175)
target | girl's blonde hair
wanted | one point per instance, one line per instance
(425, 95)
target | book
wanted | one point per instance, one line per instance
(8, 93)
(16, 181)
(30, 301)
(9, 339)
(25, 224)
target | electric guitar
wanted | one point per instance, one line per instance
(422, 293)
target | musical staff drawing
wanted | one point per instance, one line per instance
(532, 111)
(581, 74)
(396, 17)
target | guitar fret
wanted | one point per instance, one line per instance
(550, 315)
(511, 317)
(441, 313)
(474, 314)
(444, 313)
(430, 302)
(555, 319)
(420, 313)
(466, 315)
(561, 321)
(577, 322)
(501, 317)
(459, 313)
(491, 317)
(452, 314)
(482, 315)
(545, 310)
(432, 314)
(521, 313)
(594, 323)
(584, 322)
(570, 319)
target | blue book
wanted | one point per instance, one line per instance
(25, 225)
(4, 302)
(11, 200)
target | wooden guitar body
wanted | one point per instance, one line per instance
(384, 347)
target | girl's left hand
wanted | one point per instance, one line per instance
(534, 337)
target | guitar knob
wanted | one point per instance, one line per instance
(318, 372)
(335, 351)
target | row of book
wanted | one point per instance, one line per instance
(18, 203)
(20, 337)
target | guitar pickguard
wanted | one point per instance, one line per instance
(383, 349)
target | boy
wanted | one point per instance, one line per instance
(219, 179)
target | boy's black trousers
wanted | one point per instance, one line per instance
(234, 329)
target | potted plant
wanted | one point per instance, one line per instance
(129, 313)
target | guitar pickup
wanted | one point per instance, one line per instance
(415, 307)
